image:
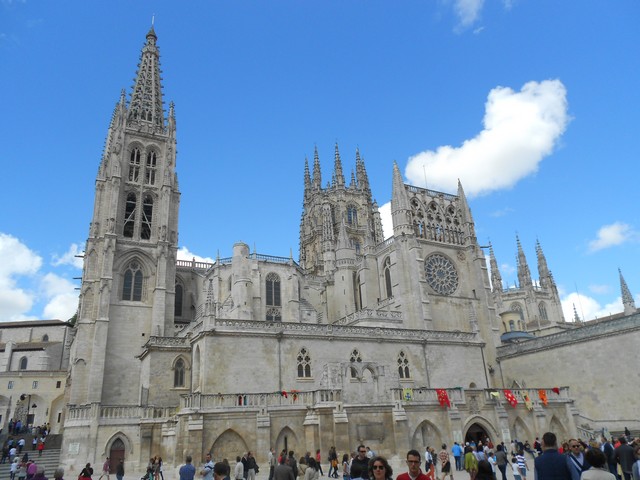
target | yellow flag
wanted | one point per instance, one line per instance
(407, 394)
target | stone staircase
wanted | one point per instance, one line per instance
(50, 460)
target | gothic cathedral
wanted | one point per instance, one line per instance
(362, 339)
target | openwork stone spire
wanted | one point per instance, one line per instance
(496, 278)
(317, 174)
(145, 107)
(627, 299)
(524, 274)
(338, 177)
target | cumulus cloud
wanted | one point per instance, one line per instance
(16, 260)
(387, 222)
(62, 298)
(587, 307)
(185, 254)
(467, 11)
(520, 129)
(611, 235)
(70, 257)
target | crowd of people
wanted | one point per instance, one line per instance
(546, 459)
(574, 459)
(615, 459)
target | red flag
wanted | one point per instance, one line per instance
(556, 390)
(511, 398)
(443, 397)
(543, 396)
(284, 394)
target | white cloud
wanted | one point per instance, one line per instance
(611, 235)
(520, 129)
(61, 297)
(16, 260)
(502, 212)
(600, 289)
(387, 222)
(587, 307)
(185, 254)
(69, 257)
(468, 11)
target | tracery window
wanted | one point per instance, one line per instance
(355, 244)
(177, 308)
(304, 363)
(542, 308)
(150, 168)
(147, 217)
(132, 284)
(355, 357)
(134, 165)
(23, 363)
(352, 215)
(387, 277)
(273, 301)
(178, 373)
(403, 365)
(130, 215)
(441, 274)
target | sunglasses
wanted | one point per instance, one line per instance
(378, 467)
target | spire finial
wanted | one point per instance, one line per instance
(627, 299)
(337, 168)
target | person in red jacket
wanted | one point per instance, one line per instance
(413, 462)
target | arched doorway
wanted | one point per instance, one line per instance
(116, 453)
(476, 433)
(286, 440)
(426, 435)
(228, 445)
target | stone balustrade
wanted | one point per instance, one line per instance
(259, 400)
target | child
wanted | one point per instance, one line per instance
(516, 470)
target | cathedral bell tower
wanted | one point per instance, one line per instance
(128, 280)
(326, 210)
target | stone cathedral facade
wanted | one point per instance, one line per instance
(347, 344)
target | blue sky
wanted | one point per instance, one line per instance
(532, 104)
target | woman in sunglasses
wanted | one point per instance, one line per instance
(379, 469)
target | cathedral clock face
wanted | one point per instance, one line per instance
(441, 274)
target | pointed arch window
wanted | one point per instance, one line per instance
(132, 284)
(387, 277)
(177, 308)
(273, 301)
(355, 244)
(542, 308)
(352, 216)
(150, 167)
(178, 373)
(304, 363)
(130, 215)
(273, 290)
(45, 338)
(403, 365)
(23, 363)
(134, 165)
(355, 357)
(147, 217)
